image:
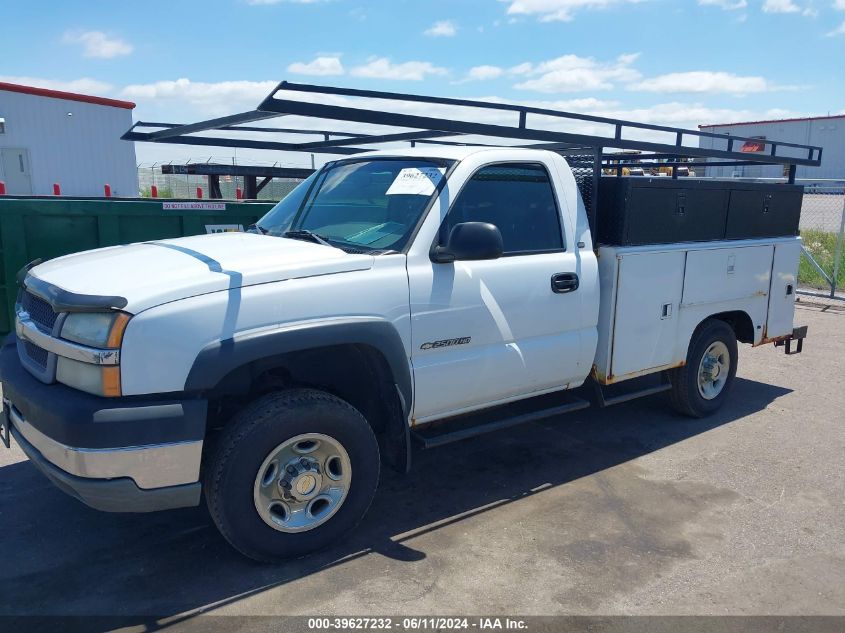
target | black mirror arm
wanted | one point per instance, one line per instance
(442, 255)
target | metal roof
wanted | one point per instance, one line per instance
(770, 121)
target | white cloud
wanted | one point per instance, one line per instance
(727, 5)
(691, 115)
(780, 6)
(321, 66)
(840, 30)
(443, 28)
(571, 73)
(788, 6)
(98, 44)
(201, 98)
(482, 73)
(383, 68)
(521, 69)
(839, 5)
(558, 10)
(83, 85)
(703, 81)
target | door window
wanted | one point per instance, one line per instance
(516, 197)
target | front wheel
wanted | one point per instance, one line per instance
(701, 386)
(293, 472)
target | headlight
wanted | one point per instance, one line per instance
(103, 330)
(101, 380)
(95, 329)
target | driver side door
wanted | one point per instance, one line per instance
(487, 332)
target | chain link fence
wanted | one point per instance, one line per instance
(822, 222)
(185, 185)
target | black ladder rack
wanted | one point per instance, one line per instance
(403, 120)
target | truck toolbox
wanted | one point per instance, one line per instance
(634, 211)
(763, 210)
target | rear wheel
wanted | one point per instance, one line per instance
(701, 386)
(293, 472)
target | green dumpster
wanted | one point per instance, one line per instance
(45, 227)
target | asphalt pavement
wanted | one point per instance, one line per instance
(626, 510)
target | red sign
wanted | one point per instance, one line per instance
(750, 147)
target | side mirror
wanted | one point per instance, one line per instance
(470, 241)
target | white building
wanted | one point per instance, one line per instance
(827, 132)
(48, 136)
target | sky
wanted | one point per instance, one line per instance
(673, 62)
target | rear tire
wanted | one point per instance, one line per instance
(701, 386)
(293, 472)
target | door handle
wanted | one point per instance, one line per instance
(564, 282)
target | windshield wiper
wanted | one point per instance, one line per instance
(300, 234)
(252, 228)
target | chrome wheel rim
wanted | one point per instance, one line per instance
(302, 483)
(713, 371)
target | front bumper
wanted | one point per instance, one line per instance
(111, 495)
(130, 454)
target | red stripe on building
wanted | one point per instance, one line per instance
(69, 96)
(809, 118)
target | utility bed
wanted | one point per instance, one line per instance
(653, 297)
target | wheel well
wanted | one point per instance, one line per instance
(740, 323)
(359, 374)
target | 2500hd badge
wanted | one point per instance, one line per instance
(446, 343)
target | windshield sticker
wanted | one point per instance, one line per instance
(416, 181)
(375, 233)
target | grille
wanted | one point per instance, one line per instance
(36, 354)
(39, 310)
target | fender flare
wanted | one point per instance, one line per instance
(219, 358)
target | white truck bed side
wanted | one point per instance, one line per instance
(653, 298)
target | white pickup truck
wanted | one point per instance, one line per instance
(402, 296)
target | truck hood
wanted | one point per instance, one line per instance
(151, 273)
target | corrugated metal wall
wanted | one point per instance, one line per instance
(826, 133)
(72, 143)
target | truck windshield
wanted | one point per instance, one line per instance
(359, 204)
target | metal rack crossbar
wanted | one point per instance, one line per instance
(429, 128)
(586, 152)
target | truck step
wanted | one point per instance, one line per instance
(605, 401)
(495, 419)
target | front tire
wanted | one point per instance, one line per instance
(293, 473)
(701, 386)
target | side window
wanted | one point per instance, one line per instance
(516, 197)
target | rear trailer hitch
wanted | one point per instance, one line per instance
(798, 334)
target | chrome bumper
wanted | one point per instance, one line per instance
(111, 495)
(150, 467)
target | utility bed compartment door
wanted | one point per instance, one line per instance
(647, 301)
(784, 285)
(728, 274)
